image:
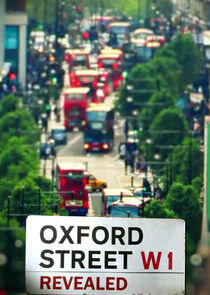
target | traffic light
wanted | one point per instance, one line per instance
(85, 35)
(125, 74)
(54, 80)
(12, 76)
(146, 189)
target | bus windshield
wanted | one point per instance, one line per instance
(96, 116)
(75, 96)
(119, 30)
(123, 211)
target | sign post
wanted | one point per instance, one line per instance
(98, 255)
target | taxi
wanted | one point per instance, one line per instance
(95, 184)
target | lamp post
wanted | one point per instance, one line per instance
(148, 142)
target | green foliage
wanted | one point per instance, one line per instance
(192, 159)
(18, 123)
(187, 56)
(168, 129)
(9, 103)
(161, 67)
(184, 201)
(165, 7)
(159, 101)
(17, 160)
(156, 209)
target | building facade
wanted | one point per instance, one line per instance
(13, 34)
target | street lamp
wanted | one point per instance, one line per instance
(129, 99)
(148, 142)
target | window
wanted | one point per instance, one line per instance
(17, 5)
(75, 96)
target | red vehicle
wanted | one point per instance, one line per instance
(77, 58)
(75, 103)
(89, 78)
(71, 182)
(99, 130)
(113, 63)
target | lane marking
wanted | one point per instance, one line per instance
(70, 143)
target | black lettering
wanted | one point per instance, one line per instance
(130, 236)
(75, 259)
(118, 236)
(125, 257)
(62, 253)
(80, 234)
(106, 235)
(92, 259)
(108, 259)
(66, 234)
(53, 229)
(43, 256)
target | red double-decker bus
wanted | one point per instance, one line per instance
(71, 181)
(113, 62)
(99, 130)
(77, 59)
(75, 103)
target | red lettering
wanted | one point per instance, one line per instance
(98, 287)
(45, 281)
(151, 257)
(170, 260)
(67, 284)
(123, 287)
(56, 282)
(109, 283)
(89, 284)
(77, 283)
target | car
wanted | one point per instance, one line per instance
(59, 135)
(95, 184)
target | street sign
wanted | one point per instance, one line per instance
(98, 255)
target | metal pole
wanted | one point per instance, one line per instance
(22, 205)
(126, 150)
(190, 162)
(56, 24)
(138, 14)
(8, 210)
(132, 180)
(39, 201)
(171, 169)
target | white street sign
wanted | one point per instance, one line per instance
(104, 255)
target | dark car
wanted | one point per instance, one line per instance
(59, 135)
(47, 149)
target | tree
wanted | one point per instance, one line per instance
(191, 165)
(159, 101)
(165, 7)
(184, 201)
(169, 79)
(167, 130)
(156, 209)
(9, 103)
(18, 123)
(187, 55)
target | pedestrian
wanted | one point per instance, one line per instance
(158, 193)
